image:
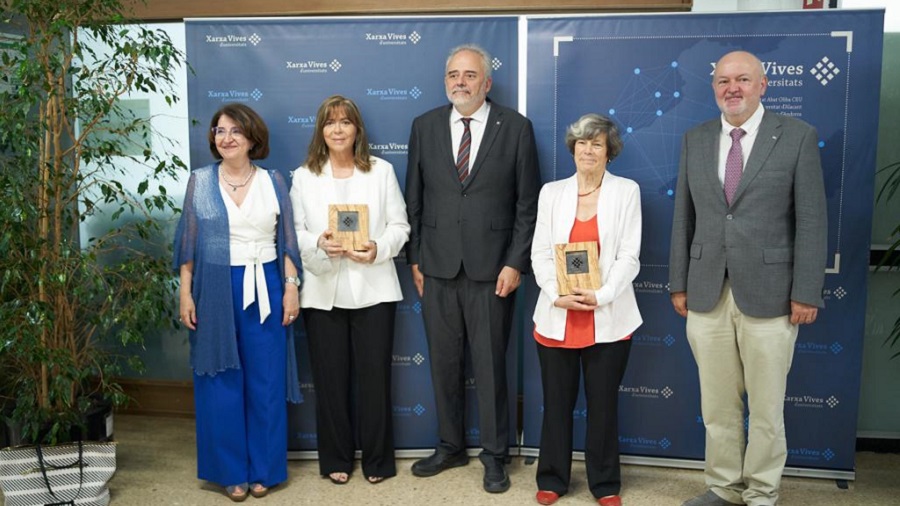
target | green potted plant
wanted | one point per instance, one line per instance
(74, 304)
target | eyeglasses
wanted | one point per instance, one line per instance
(222, 132)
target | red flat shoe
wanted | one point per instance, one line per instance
(546, 497)
(610, 500)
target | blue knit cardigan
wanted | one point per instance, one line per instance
(202, 236)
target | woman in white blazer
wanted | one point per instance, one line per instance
(349, 297)
(591, 329)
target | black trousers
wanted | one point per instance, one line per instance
(459, 312)
(603, 365)
(347, 343)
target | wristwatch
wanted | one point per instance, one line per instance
(294, 280)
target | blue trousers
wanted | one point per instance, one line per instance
(242, 413)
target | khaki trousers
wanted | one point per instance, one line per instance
(736, 355)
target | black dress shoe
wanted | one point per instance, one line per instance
(496, 480)
(438, 462)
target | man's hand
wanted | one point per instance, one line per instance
(679, 302)
(803, 313)
(507, 282)
(418, 279)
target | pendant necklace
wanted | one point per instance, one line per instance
(595, 188)
(234, 186)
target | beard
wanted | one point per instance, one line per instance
(460, 98)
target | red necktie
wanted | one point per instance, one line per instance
(734, 164)
(462, 156)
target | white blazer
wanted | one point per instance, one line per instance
(619, 224)
(371, 283)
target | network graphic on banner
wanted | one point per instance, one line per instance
(652, 75)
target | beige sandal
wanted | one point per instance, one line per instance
(237, 493)
(257, 490)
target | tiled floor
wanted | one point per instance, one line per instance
(157, 466)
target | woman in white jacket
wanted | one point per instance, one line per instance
(589, 330)
(349, 297)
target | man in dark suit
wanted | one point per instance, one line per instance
(472, 186)
(747, 266)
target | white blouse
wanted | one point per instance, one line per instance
(252, 237)
(343, 296)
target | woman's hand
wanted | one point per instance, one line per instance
(366, 256)
(187, 311)
(331, 247)
(291, 304)
(582, 300)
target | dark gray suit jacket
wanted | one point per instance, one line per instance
(486, 223)
(772, 239)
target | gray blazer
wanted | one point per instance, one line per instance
(488, 222)
(772, 240)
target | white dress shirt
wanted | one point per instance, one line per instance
(476, 127)
(750, 127)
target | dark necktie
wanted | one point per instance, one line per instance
(734, 164)
(462, 156)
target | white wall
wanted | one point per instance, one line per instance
(744, 5)
(891, 17)
(891, 14)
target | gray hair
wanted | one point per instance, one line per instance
(589, 127)
(475, 48)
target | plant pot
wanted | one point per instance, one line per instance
(4, 431)
(98, 426)
(13, 432)
(98, 423)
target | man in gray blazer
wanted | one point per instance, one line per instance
(747, 266)
(472, 186)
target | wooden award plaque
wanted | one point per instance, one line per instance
(577, 265)
(350, 223)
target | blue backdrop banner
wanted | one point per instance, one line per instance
(393, 69)
(652, 75)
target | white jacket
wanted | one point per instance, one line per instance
(619, 224)
(371, 283)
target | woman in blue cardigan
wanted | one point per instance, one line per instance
(237, 256)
